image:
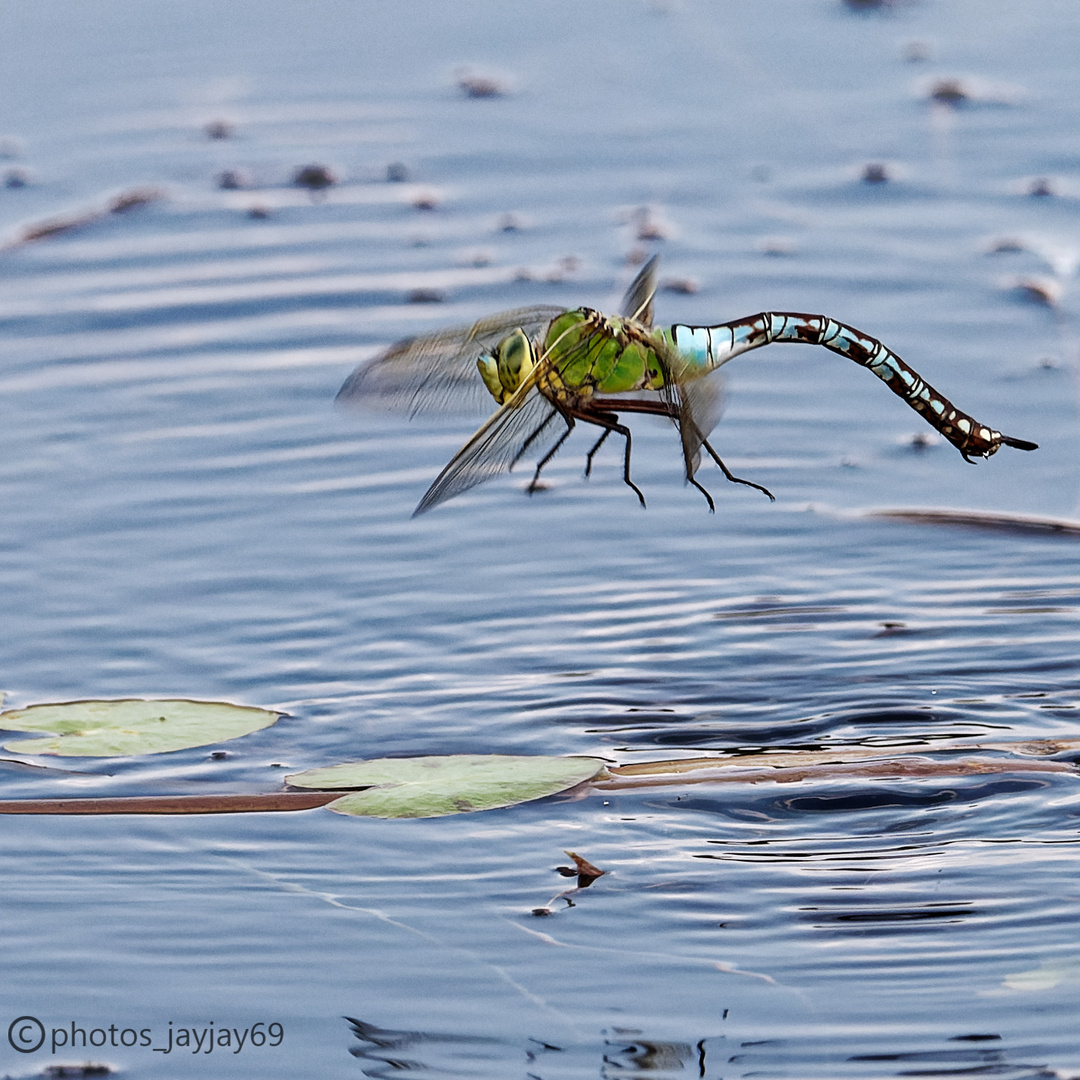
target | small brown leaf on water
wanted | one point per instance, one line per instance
(585, 869)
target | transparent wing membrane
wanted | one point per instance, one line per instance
(437, 372)
(637, 304)
(701, 403)
(527, 424)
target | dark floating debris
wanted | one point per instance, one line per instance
(120, 204)
(426, 296)
(480, 86)
(16, 178)
(917, 51)
(259, 212)
(975, 519)
(315, 177)
(510, 223)
(1041, 187)
(949, 92)
(426, 200)
(132, 200)
(651, 230)
(777, 246)
(53, 227)
(1038, 290)
(563, 268)
(219, 129)
(1005, 245)
(585, 873)
(876, 172)
(397, 173)
(233, 180)
(73, 1072)
(684, 286)
(648, 226)
(922, 440)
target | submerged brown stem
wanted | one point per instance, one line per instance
(703, 771)
(174, 804)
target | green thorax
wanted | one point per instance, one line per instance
(588, 353)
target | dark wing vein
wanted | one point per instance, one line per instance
(528, 423)
(438, 371)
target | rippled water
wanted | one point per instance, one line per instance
(187, 514)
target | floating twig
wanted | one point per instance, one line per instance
(120, 204)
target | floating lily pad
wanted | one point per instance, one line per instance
(130, 726)
(436, 786)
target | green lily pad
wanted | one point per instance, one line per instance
(436, 786)
(131, 726)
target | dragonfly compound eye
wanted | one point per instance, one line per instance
(514, 360)
(489, 372)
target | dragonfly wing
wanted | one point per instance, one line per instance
(694, 402)
(527, 423)
(438, 371)
(637, 304)
(701, 402)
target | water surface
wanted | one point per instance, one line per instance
(187, 514)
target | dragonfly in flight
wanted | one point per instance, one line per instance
(548, 368)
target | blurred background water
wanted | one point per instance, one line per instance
(186, 513)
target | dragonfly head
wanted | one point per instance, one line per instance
(509, 366)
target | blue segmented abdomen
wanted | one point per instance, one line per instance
(707, 347)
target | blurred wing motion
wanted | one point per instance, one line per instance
(437, 372)
(527, 423)
(699, 404)
(637, 304)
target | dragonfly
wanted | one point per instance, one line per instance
(548, 368)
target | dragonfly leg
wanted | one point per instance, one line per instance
(610, 421)
(729, 474)
(658, 408)
(708, 497)
(534, 483)
(589, 455)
